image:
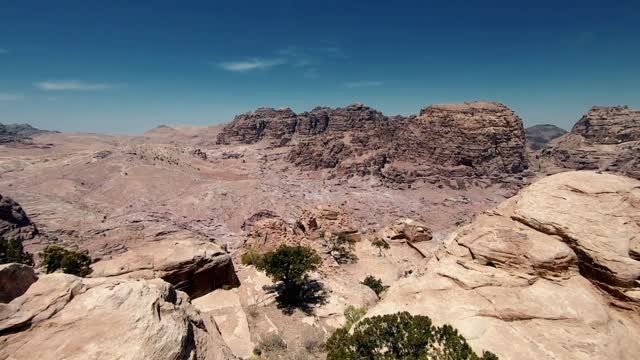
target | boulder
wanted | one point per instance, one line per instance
(15, 279)
(65, 317)
(549, 274)
(327, 218)
(407, 230)
(606, 138)
(226, 310)
(14, 222)
(195, 267)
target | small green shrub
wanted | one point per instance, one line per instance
(375, 284)
(251, 257)
(400, 336)
(314, 344)
(353, 314)
(342, 247)
(11, 251)
(270, 343)
(381, 245)
(55, 257)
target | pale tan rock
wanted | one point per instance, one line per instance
(196, 267)
(406, 229)
(15, 279)
(536, 278)
(65, 317)
(225, 308)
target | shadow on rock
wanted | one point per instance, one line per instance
(311, 294)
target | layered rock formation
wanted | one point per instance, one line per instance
(195, 267)
(552, 273)
(14, 222)
(479, 139)
(606, 138)
(66, 317)
(538, 136)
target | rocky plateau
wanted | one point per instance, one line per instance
(527, 257)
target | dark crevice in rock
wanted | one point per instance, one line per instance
(597, 274)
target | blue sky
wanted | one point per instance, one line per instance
(127, 66)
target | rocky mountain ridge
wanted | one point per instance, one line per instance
(539, 135)
(11, 133)
(473, 139)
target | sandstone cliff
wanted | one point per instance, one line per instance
(475, 139)
(606, 138)
(65, 317)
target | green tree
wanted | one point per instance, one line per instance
(375, 284)
(11, 251)
(342, 247)
(55, 257)
(400, 336)
(381, 245)
(290, 265)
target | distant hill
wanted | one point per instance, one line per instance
(538, 136)
(10, 133)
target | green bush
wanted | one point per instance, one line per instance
(55, 257)
(290, 265)
(381, 245)
(11, 251)
(375, 284)
(251, 257)
(353, 314)
(270, 343)
(342, 248)
(400, 336)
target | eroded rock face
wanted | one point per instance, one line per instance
(459, 140)
(551, 273)
(15, 279)
(606, 138)
(14, 222)
(195, 267)
(66, 317)
(253, 126)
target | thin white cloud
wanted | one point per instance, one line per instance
(71, 85)
(10, 97)
(4, 51)
(250, 65)
(311, 73)
(359, 84)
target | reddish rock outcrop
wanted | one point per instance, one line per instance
(459, 140)
(606, 138)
